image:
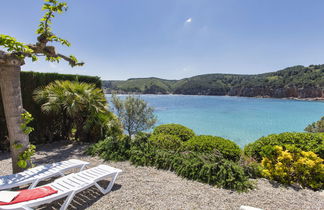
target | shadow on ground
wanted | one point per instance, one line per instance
(4, 155)
(82, 200)
(67, 151)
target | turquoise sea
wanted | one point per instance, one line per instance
(240, 119)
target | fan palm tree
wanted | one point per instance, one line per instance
(81, 105)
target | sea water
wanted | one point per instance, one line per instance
(240, 119)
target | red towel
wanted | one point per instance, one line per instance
(31, 194)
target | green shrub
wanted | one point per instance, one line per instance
(181, 131)
(166, 141)
(251, 167)
(304, 168)
(316, 127)
(81, 106)
(111, 148)
(304, 141)
(206, 168)
(142, 151)
(227, 148)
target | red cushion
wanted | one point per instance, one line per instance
(31, 194)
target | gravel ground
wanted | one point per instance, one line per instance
(149, 188)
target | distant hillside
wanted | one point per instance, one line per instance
(296, 82)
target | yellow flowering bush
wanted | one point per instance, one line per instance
(304, 168)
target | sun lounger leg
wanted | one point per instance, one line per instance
(33, 184)
(109, 187)
(81, 169)
(67, 201)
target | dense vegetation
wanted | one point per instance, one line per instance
(47, 127)
(303, 141)
(316, 127)
(81, 107)
(224, 147)
(297, 81)
(209, 163)
(288, 158)
(294, 166)
(204, 167)
(291, 158)
(180, 131)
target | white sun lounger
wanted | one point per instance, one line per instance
(72, 184)
(34, 175)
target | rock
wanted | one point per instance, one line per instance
(248, 208)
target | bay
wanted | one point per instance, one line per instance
(240, 119)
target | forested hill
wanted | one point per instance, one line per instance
(296, 81)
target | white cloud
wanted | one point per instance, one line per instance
(189, 20)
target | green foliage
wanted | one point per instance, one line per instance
(21, 50)
(166, 141)
(289, 82)
(51, 7)
(206, 168)
(304, 168)
(13, 46)
(181, 131)
(145, 85)
(144, 150)
(225, 147)
(48, 128)
(251, 167)
(26, 118)
(303, 141)
(26, 155)
(80, 105)
(111, 148)
(316, 127)
(134, 113)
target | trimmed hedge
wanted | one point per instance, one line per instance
(47, 128)
(203, 167)
(181, 131)
(304, 141)
(209, 168)
(111, 148)
(204, 143)
(166, 141)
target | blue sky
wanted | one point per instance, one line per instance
(173, 39)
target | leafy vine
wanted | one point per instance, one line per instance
(25, 156)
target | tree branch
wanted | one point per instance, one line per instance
(17, 51)
(72, 60)
(10, 59)
(49, 52)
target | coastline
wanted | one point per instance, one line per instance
(306, 99)
(318, 99)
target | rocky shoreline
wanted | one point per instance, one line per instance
(307, 99)
(284, 98)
